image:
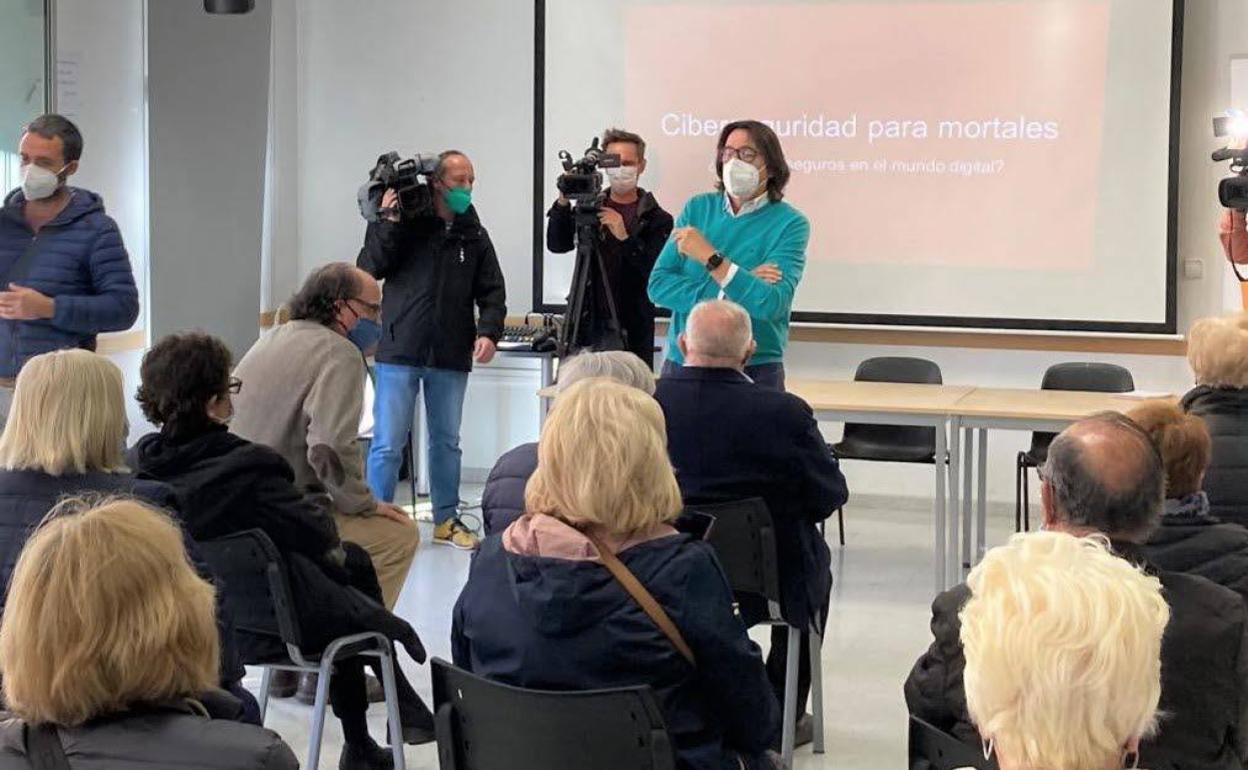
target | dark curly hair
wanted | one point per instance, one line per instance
(317, 300)
(179, 375)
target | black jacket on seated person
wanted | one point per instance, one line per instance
(1225, 412)
(502, 500)
(1204, 674)
(199, 734)
(27, 496)
(1190, 540)
(226, 484)
(730, 439)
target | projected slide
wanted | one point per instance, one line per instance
(984, 136)
(992, 159)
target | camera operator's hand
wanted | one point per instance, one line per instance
(691, 243)
(768, 273)
(483, 351)
(614, 223)
(390, 206)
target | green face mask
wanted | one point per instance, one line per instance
(457, 199)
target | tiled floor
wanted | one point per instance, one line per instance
(878, 626)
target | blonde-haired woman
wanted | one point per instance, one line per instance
(66, 436)
(1217, 349)
(1063, 654)
(541, 610)
(110, 657)
(502, 501)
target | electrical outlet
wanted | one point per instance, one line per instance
(1193, 269)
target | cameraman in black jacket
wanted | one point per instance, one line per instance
(634, 229)
(435, 268)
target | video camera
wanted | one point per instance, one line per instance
(409, 178)
(1233, 190)
(581, 181)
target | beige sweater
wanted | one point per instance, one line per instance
(303, 393)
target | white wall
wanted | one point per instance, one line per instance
(100, 86)
(437, 75)
(208, 89)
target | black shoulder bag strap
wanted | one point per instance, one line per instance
(43, 748)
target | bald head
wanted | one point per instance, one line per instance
(717, 334)
(1104, 474)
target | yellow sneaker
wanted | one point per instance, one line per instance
(452, 532)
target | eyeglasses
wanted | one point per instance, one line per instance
(747, 154)
(372, 307)
(235, 386)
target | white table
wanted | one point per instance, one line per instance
(886, 403)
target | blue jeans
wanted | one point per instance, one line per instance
(765, 375)
(393, 410)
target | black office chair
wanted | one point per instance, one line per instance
(1097, 378)
(744, 539)
(484, 725)
(933, 749)
(890, 443)
(257, 593)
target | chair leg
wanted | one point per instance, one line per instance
(816, 686)
(840, 523)
(1019, 470)
(788, 727)
(318, 714)
(263, 700)
(1026, 503)
(392, 705)
(411, 469)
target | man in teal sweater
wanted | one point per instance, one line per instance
(742, 243)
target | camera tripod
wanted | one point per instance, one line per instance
(573, 332)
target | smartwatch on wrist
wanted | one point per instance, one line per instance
(714, 261)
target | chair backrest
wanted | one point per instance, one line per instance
(484, 725)
(933, 749)
(254, 587)
(744, 539)
(1080, 375)
(895, 369)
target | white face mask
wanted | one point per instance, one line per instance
(740, 179)
(39, 183)
(623, 179)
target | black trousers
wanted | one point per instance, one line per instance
(754, 611)
(348, 690)
(329, 607)
(778, 656)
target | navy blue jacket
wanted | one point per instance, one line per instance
(27, 496)
(502, 500)
(80, 262)
(731, 439)
(559, 624)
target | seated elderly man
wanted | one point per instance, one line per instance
(1105, 476)
(304, 396)
(730, 439)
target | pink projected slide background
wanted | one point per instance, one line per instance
(919, 134)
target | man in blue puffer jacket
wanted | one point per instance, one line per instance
(64, 272)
